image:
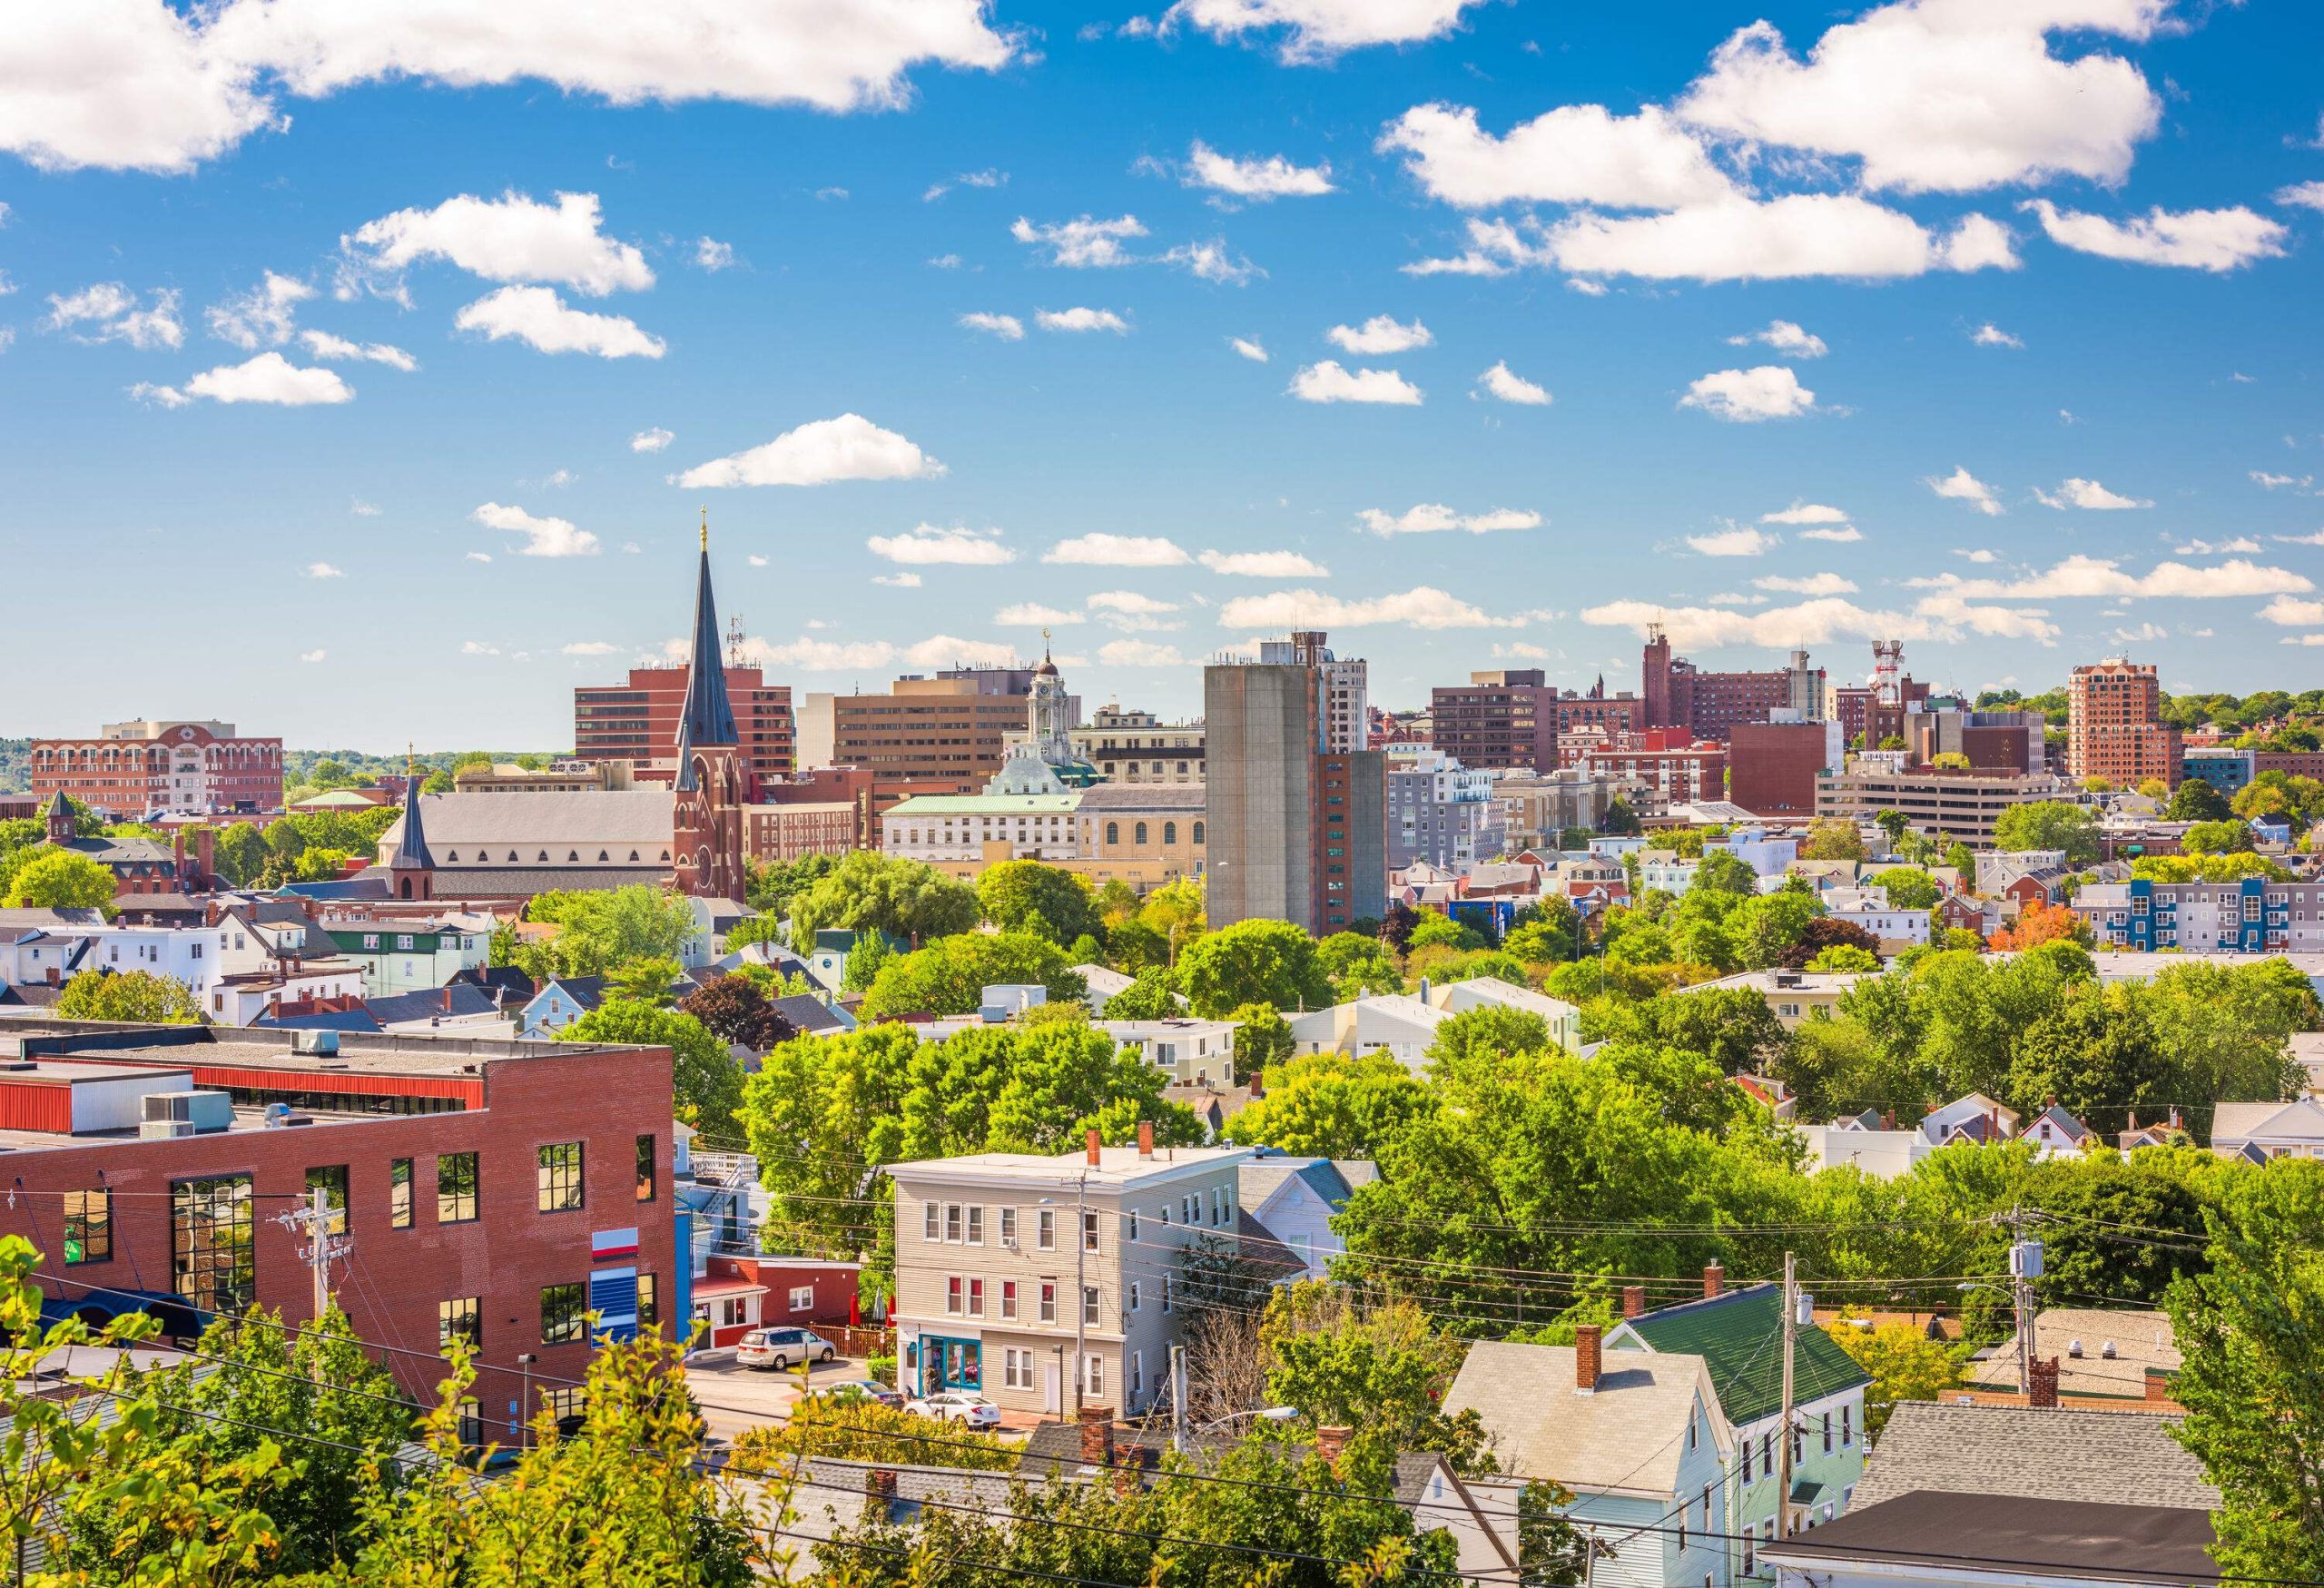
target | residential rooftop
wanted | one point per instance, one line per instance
(177, 1047)
(2033, 1453)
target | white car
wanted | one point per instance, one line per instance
(779, 1348)
(958, 1406)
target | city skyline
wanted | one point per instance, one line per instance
(1164, 332)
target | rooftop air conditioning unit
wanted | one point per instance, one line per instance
(315, 1043)
(185, 1113)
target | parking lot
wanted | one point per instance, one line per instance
(734, 1398)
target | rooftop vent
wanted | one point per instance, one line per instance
(314, 1042)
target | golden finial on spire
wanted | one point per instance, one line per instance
(411, 758)
(705, 527)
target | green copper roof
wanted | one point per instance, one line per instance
(984, 806)
(1739, 1337)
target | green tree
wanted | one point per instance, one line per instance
(61, 879)
(906, 899)
(238, 854)
(599, 930)
(1765, 928)
(949, 975)
(865, 960)
(1720, 872)
(1905, 1365)
(2050, 824)
(1619, 821)
(1332, 1105)
(1150, 995)
(707, 1082)
(1962, 859)
(648, 981)
(1894, 824)
(772, 886)
(1025, 895)
(1377, 1365)
(2197, 801)
(1357, 965)
(1436, 931)
(858, 1428)
(1261, 1038)
(139, 997)
(1907, 887)
(2226, 837)
(1732, 1027)
(1253, 961)
(1830, 838)
(1844, 958)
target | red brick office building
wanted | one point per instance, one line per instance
(135, 769)
(490, 1190)
(638, 721)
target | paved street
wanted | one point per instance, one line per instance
(734, 1398)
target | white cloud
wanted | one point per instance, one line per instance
(2079, 577)
(1007, 327)
(1961, 486)
(1328, 382)
(945, 261)
(1574, 154)
(1977, 554)
(323, 345)
(1082, 319)
(2303, 639)
(945, 650)
(512, 238)
(108, 312)
(1134, 609)
(1739, 239)
(2143, 632)
(1436, 518)
(1273, 177)
(1082, 243)
(267, 379)
(822, 655)
(1140, 653)
(1939, 618)
(1099, 549)
(262, 317)
(1380, 334)
(543, 536)
(1990, 335)
(137, 85)
(1248, 348)
(590, 648)
(1212, 260)
(1786, 337)
(323, 570)
(2308, 196)
(1845, 534)
(2241, 543)
(1033, 614)
(1739, 541)
(1424, 607)
(2088, 494)
(1264, 565)
(2203, 240)
(479, 557)
(2316, 539)
(476, 647)
(538, 317)
(931, 544)
(1823, 584)
(898, 581)
(363, 509)
(757, 561)
(313, 655)
(1944, 96)
(1765, 391)
(2290, 614)
(850, 447)
(1804, 513)
(710, 254)
(2267, 481)
(1317, 30)
(651, 441)
(986, 178)
(1510, 387)
(1519, 651)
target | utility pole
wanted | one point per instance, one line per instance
(1178, 1398)
(2025, 1268)
(314, 1221)
(1790, 1329)
(1081, 1288)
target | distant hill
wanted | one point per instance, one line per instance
(298, 765)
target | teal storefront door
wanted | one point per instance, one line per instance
(948, 1363)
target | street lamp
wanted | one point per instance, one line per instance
(1265, 1414)
(525, 1360)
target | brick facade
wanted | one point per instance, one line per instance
(134, 769)
(638, 721)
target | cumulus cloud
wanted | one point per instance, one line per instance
(543, 536)
(1823, 584)
(1248, 348)
(263, 317)
(1082, 243)
(2290, 614)
(1212, 260)
(137, 85)
(2087, 494)
(590, 648)
(2306, 195)
(1327, 382)
(1942, 97)
(1424, 607)
(710, 254)
(1099, 549)
(1574, 154)
(930, 545)
(1990, 335)
(898, 581)
(267, 379)
(1823, 620)
(512, 238)
(537, 317)
(1804, 513)
(946, 650)
(1140, 653)
(1765, 391)
(651, 441)
(1264, 565)
(1007, 327)
(1076, 319)
(323, 570)
(2241, 543)
(322, 344)
(987, 178)
(2079, 576)
(1258, 179)
(2202, 240)
(313, 655)
(1033, 614)
(2267, 481)
(1741, 541)
(1382, 333)
(1844, 534)
(1134, 609)
(476, 647)
(1786, 337)
(1961, 486)
(1436, 518)
(108, 312)
(1318, 30)
(850, 447)
(1510, 387)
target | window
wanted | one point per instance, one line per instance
(930, 1226)
(88, 1227)
(561, 1314)
(471, 1422)
(331, 1181)
(1169, 829)
(1049, 1303)
(955, 1293)
(1139, 831)
(1751, 1555)
(1827, 1433)
(1847, 1427)
(399, 1193)
(649, 1302)
(1138, 1372)
(1093, 1376)
(1017, 1368)
(801, 1298)
(976, 1226)
(1133, 1295)
(1746, 1449)
(1165, 1293)
(455, 1187)
(644, 1169)
(212, 1262)
(560, 1176)
(1682, 1530)
(952, 1222)
(1008, 1298)
(564, 1406)
(1045, 1229)
(1197, 832)
(459, 1321)
(1089, 1304)
(1799, 1445)
(976, 1298)
(1088, 1232)
(1218, 1204)
(1008, 1227)
(1113, 832)
(1767, 1454)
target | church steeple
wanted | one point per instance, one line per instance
(713, 780)
(709, 716)
(411, 872)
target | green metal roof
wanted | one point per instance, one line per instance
(1739, 1338)
(983, 804)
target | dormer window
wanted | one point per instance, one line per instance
(633, 857)
(572, 857)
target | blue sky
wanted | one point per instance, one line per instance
(1781, 271)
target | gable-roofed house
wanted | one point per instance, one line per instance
(2056, 1133)
(1296, 1198)
(561, 1000)
(2259, 1132)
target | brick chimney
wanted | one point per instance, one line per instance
(2134, 1121)
(1633, 1300)
(1586, 1358)
(1096, 1435)
(1713, 1281)
(2157, 1385)
(447, 998)
(1331, 1441)
(1258, 1084)
(1094, 1147)
(205, 855)
(880, 1485)
(2042, 1382)
(1145, 1138)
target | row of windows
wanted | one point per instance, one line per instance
(565, 1311)
(963, 1224)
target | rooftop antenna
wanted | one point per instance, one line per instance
(735, 640)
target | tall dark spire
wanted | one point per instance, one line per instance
(411, 849)
(708, 717)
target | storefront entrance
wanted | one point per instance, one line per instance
(948, 1363)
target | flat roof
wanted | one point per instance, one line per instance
(102, 1043)
(66, 1071)
(248, 1118)
(1116, 1166)
(2011, 1537)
